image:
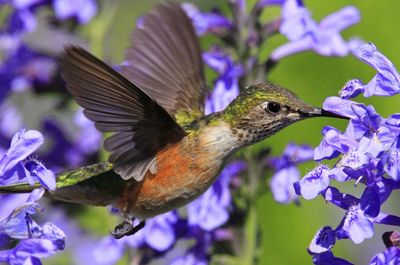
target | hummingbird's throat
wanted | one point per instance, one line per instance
(248, 134)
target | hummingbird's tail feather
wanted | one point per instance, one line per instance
(64, 179)
(19, 188)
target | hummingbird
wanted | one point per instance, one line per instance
(164, 152)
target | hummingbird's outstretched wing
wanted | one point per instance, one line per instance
(141, 126)
(165, 61)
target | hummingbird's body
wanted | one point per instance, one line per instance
(184, 171)
(163, 152)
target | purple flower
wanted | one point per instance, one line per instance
(189, 259)
(392, 165)
(361, 213)
(286, 172)
(108, 251)
(89, 138)
(364, 119)
(357, 225)
(327, 258)
(282, 184)
(23, 68)
(13, 168)
(332, 144)
(22, 145)
(36, 242)
(385, 83)
(83, 10)
(312, 184)
(323, 241)
(264, 3)
(388, 257)
(207, 22)
(306, 34)
(210, 210)
(158, 232)
(227, 85)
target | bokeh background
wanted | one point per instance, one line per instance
(286, 230)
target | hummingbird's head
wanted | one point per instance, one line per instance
(263, 109)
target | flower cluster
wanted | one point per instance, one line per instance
(16, 225)
(26, 69)
(305, 33)
(368, 154)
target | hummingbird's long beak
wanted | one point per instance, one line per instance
(317, 112)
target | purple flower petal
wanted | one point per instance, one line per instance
(226, 86)
(342, 200)
(33, 247)
(370, 202)
(83, 10)
(323, 240)
(108, 251)
(282, 184)
(338, 174)
(340, 106)
(41, 174)
(306, 34)
(298, 153)
(340, 142)
(15, 225)
(392, 166)
(389, 256)
(327, 258)
(387, 80)
(159, 232)
(357, 225)
(23, 144)
(314, 182)
(206, 22)
(354, 160)
(352, 89)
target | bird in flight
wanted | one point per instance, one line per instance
(164, 152)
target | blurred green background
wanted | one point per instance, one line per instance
(288, 229)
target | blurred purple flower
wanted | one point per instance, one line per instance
(226, 87)
(89, 138)
(10, 120)
(286, 173)
(23, 68)
(203, 22)
(264, 3)
(108, 251)
(189, 259)
(385, 83)
(158, 232)
(83, 10)
(306, 34)
(210, 210)
(282, 184)
(388, 257)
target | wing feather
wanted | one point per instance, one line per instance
(165, 60)
(140, 125)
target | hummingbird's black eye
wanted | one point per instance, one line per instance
(273, 107)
